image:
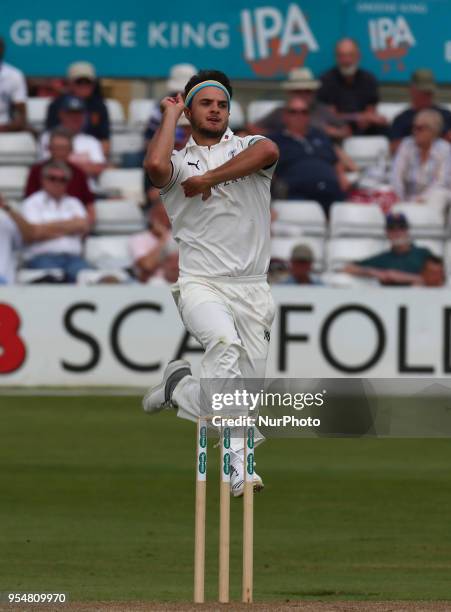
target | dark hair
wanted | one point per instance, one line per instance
(434, 259)
(209, 75)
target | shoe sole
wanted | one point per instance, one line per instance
(171, 368)
(258, 486)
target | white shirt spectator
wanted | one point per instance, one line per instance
(413, 177)
(42, 208)
(10, 241)
(84, 147)
(13, 90)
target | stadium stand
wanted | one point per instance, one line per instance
(37, 112)
(281, 249)
(390, 110)
(123, 182)
(341, 251)
(108, 252)
(118, 217)
(298, 218)
(349, 219)
(125, 146)
(12, 181)
(17, 148)
(139, 111)
(366, 150)
(116, 114)
(258, 109)
(424, 222)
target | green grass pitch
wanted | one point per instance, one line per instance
(97, 500)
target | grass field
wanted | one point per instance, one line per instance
(97, 500)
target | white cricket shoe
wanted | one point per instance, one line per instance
(160, 397)
(237, 475)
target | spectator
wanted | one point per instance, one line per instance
(402, 264)
(13, 96)
(149, 248)
(82, 83)
(10, 242)
(351, 92)
(87, 151)
(301, 262)
(422, 166)
(301, 84)
(422, 94)
(308, 167)
(53, 205)
(60, 149)
(433, 272)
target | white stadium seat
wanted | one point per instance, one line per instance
(236, 115)
(390, 110)
(258, 109)
(37, 112)
(350, 219)
(139, 111)
(118, 217)
(125, 183)
(281, 248)
(17, 148)
(341, 251)
(125, 143)
(367, 150)
(12, 181)
(298, 217)
(94, 277)
(116, 114)
(436, 246)
(108, 252)
(424, 221)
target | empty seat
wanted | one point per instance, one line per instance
(17, 148)
(298, 217)
(125, 144)
(123, 183)
(341, 251)
(436, 246)
(349, 219)
(258, 109)
(390, 110)
(139, 112)
(118, 217)
(367, 150)
(37, 112)
(108, 252)
(116, 114)
(236, 118)
(281, 249)
(12, 181)
(424, 221)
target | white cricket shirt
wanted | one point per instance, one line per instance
(42, 208)
(13, 90)
(228, 234)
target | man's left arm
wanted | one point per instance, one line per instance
(262, 154)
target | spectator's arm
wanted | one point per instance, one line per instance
(399, 169)
(18, 121)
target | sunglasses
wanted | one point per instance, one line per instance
(56, 179)
(294, 111)
(420, 127)
(83, 81)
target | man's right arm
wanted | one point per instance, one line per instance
(157, 162)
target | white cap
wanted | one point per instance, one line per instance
(80, 70)
(301, 79)
(179, 76)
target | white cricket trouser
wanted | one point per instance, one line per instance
(231, 318)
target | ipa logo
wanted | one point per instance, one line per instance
(275, 42)
(390, 40)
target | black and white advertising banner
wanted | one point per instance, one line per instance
(124, 336)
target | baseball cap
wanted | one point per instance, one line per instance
(73, 104)
(396, 221)
(302, 252)
(300, 78)
(423, 79)
(81, 70)
(179, 75)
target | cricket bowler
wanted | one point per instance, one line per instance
(217, 195)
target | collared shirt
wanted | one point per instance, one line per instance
(413, 177)
(411, 261)
(13, 90)
(348, 96)
(10, 241)
(42, 208)
(228, 234)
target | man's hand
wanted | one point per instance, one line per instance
(173, 105)
(196, 185)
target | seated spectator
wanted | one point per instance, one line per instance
(87, 151)
(308, 167)
(422, 93)
(149, 248)
(82, 84)
(52, 206)
(301, 262)
(60, 149)
(351, 92)
(301, 84)
(402, 264)
(433, 272)
(13, 96)
(422, 166)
